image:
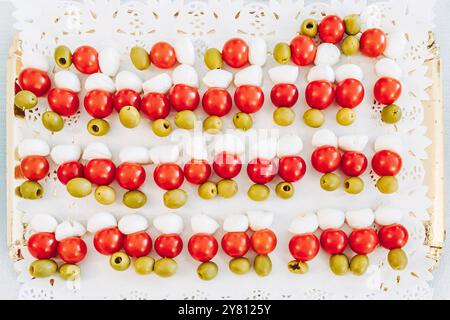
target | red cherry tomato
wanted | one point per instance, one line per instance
(168, 245)
(350, 93)
(373, 43)
(17, 87)
(163, 55)
(326, 159)
(130, 176)
(319, 94)
(304, 247)
(138, 244)
(292, 169)
(227, 165)
(393, 237)
(284, 95)
(235, 244)
(34, 168)
(155, 106)
(197, 171)
(43, 245)
(203, 247)
(387, 90)
(363, 241)
(108, 241)
(64, 102)
(217, 102)
(249, 99)
(303, 50)
(263, 242)
(70, 170)
(168, 176)
(235, 53)
(72, 250)
(99, 104)
(331, 29)
(262, 171)
(353, 164)
(85, 60)
(387, 163)
(334, 241)
(100, 171)
(34, 80)
(126, 98)
(183, 97)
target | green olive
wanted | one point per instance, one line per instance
(144, 265)
(240, 266)
(31, 190)
(352, 24)
(262, 265)
(140, 58)
(339, 264)
(285, 190)
(129, 117)
(282, 53)
(207, 271)
(387, 185)
(43, 268)
(175, 199)
(17, 192)
(69, 272)
(134, 199)
(165, 268)
(98, 127)
(309, 28)
(314, 118)
(227, 188)
(359, 265)
(284, 117)
(63, 57)
(391, 114)
(398, 259)
(298, 267)
(345, 117)
(162, 128)
(213, 59)
(212, 125)
(120, 261)
(350, 45)
(79, 187)
(25, 100)
(354, 185)
(52, 121)
(243, 121)
(330, 182)
(185, 120)
(207, 191)
(105, 195)
(259, 192)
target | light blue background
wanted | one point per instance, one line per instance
(8, 285)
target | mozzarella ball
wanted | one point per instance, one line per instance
(218, 78)
(304, 224)
(323, 138)
(349, 71)
(139, 155)
(260, 220)
(390, 143)
(67, 80)
(185, 74)
(289, 145)
(158, 84)
(388, 68)
(321, 72)
(195, 148)
(33, 147)
(164, 154)
(396, 44)
(43, 223)
(184, 50)
(330, 219)
(133, 223)
(284, 74)
(353, 143)
(99, 81)
(101, 221)
(109, 61)
(360, 219)
(35, 61)
(201, 223)
(258, 51)
(97, 150)
(128, 80)
(252, 76)
(235, 223)
(69, 229)
(229, 143)
(169, 224)
(387, 215)
(264, 148)
(327, 54)
(65, 153)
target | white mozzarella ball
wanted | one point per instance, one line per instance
(284, 74)
(164, 154)
(258, 51)
(184, 50)
(236, 223)
(132, 223)
(353, 143)
(349, 71)
(158, 84)
(99, 81)
(264, 148)
(389, 143)
(43, 223)
(196, 148)
(322, 72)
(304, 224)
(139, 155)
(202, 223)
(327, 54)
(229, 143)
(396, 44)
(387, 215)
(66, 153)
(260, 220)
(289, 145)
(388, 68)
(330, 219)
(101, 221)
(169, 224)
(109, 61)
(69, 229)
(323, 138)
(33, 147)
(360, 219)
(35, 61)
(185, 74)
(67, 80)
(128, 80)
(97, 150)
(218, 78)
(252, 76)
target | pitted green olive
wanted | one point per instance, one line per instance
(63, 57)
(262, 265)
(134, 199)
(339, 264)
(98, 127)
(350, 45)
(259, 192)
(25, 100)
(140, 58)
(162, 128)
(185, 120)
(240, 266)
(297, 267)
(79, 187)
(227, 188)
(398, 260)
(387, 185)
(31, 190)
(284, 117)
(208, 190)
(243, 121)
(144, 265)
(69, 272)
(52, 121)
(354, 185)
(207, 271)
(314, 118)
(309, 28)
(213, 59)
(212, 125)
(43, 268)
(175, 199)
(352, 24)
(165, 268)
(330, 182)
(120, 261)
(129, 117)
(345, 117)
(285, 190)
(391, 114)
(105, 195)
(359, 265)
(282, 53)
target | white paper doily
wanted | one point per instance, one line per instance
(44, 24)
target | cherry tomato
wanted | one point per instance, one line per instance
(334, 241)
(373, 42)
(217, 102)
(350, 93)
(108, 241)
(163, 55)
(126, 98)
(235, 244)
(138, 244)
(363, 241)
(319, 94)
(292, 169)
(303, 50)
(72, 250)
(63, 102)
(99, 104)
(249, 99)
(262, 171)
(263, 242)
(353, 164)
(393, 237)
(304, 247)
(387, 90)
(331, 29)
(197, 171)
(235, 53)
(387, 163)
(169, 245)
(100, 171)
(326, 159)
(43, 245)
(70, 170)
(34, 80)
(34, 168)
(130, 176)
(85, 60)
(17, 87)
(227, 165)
(284, 95)
(183, 97)
(155, 106)
(203, 247)
(168, 176)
